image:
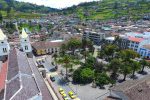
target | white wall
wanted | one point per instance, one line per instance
(25, 42)
(5, 44)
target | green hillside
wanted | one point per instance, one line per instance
(111, 9)
(12, 8)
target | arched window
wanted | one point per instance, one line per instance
(26, 47)
(4, 50)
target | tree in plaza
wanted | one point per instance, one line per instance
(101, 54)
(118, 41)
(125, 69)
(90, 45)
(102, 79)
(114, 66)
(67, 61)
(90, 62)
(86, 43)
(73, 44)
(128, 54)
(144, 63)
(55, 55)
(63, 49)
(76, 75)
(109, 51)
(135, 66)
(1, 17)
(85, 54)
(87, 75)
(83, 75)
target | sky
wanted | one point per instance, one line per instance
(57, 3)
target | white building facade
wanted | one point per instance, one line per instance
(25, 42)
(137, 42)
(4, 45)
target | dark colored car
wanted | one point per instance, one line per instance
(52, 78)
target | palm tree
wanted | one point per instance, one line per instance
(67, 61)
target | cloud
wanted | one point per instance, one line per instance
(57, 3)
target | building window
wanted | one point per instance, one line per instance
(4, 50)
(26, 47)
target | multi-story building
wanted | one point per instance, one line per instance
(137, 41)
(94, 36)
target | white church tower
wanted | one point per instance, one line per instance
(4, 45)
(25, 42)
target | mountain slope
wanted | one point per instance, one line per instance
(111, 9)
(24, 7)
(15, 9)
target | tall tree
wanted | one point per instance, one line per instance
(87, 43)
(110, 50)
(73, 44)
(125, 69)
(1, 17)
(67, 61)
(55, 55)
(63, 49)
(114, 66)
(135, 67)
(144, 63)
(128, 54)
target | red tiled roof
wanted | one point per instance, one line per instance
(3, 73)
(134, 39)
(45, 45)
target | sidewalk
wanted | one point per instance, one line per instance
(51, 91)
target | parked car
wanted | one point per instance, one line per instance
(52, 78)
(61, 91)
(43, 61)
(65, 97)
(71, 94)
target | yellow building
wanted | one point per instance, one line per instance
(42, 48)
